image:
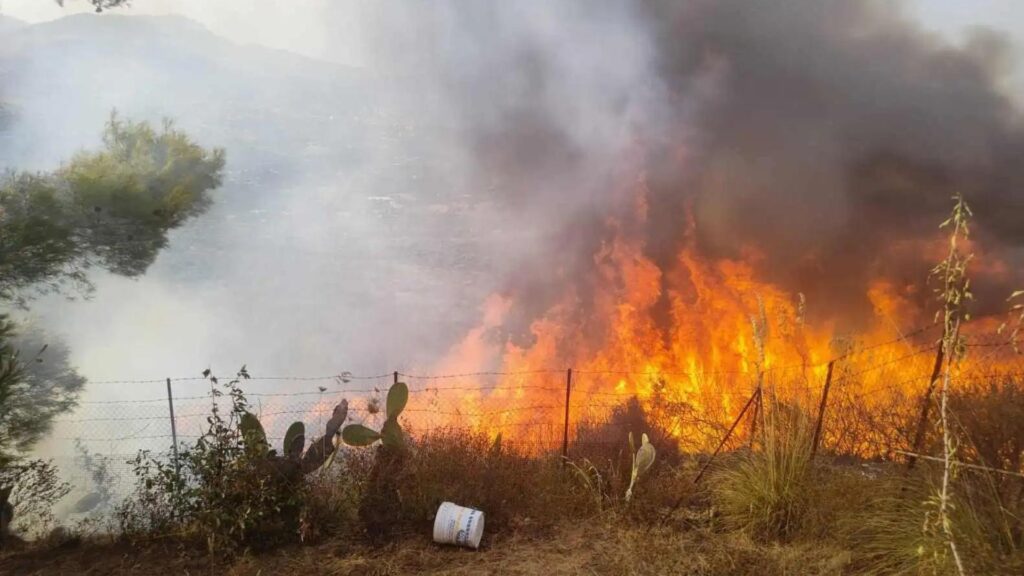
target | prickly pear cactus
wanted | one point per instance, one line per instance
(380, 510)
(321, 451)
(294, 441)
(253, 436)
(643, 459)
(391, 432)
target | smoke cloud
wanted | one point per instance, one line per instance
(824, 139)
(501, 141)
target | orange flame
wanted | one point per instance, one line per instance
(726, 331)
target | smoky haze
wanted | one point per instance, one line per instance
(835, 133)
(827, 138)
(342, 238)
(368, 212)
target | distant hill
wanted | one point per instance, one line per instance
(60, 79)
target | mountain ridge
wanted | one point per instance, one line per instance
(60, 79)
(90, 27)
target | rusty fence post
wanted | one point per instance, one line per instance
(757, 412)
(756, 394)
(922, 422)
(565, 427)
(821, 410)
(721, 444)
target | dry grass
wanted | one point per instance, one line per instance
(767, 493)
(604, 546)
(468, 468)
(772, 511)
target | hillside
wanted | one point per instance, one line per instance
(63, 77)
(318, 155)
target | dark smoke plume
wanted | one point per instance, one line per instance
(835, 131)
(827, 136)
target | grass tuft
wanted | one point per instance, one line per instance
(766, 493)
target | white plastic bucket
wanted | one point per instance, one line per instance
(458, 525)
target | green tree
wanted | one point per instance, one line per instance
(110, 209)
(47, 386)
(11, 378)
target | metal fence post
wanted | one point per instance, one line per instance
(174, 426)
(821, 409)
(757, 412)
(711, 459)
(565, 428)
(922, 422)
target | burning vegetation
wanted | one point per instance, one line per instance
(773, 217)
(740, 270)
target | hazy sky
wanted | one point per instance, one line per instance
(294, 25)
(301, 26)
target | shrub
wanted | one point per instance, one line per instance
(220, 490)
(514, 487)
(887, 533)
(990, 412)
(332, 498)
(97, 468)
(886, 519)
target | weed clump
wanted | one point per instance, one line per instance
(224, 490)
(766, 493)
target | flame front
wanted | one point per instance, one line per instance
(690, 342)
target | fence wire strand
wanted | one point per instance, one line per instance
(530, 405)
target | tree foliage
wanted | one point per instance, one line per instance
(111, 208)
(11, 376)
(47, 387)
(35, 486)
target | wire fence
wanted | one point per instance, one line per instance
(864, 400)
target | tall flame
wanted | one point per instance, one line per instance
(699, 334)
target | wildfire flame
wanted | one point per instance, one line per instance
(702, 334)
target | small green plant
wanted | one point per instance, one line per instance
(321, 452)
(643, 459)
(390, 434)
